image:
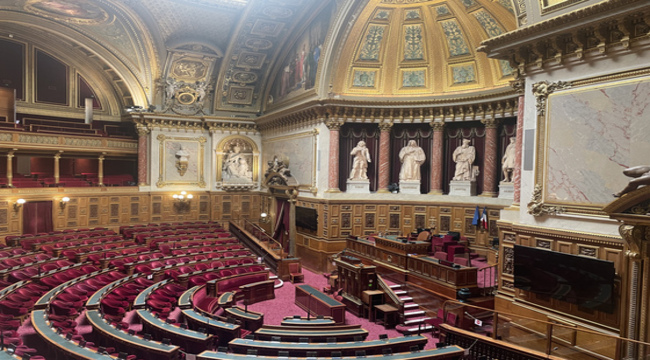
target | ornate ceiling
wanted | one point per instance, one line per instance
(423, 48)
(225, 57)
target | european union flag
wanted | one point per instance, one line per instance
(476, 218)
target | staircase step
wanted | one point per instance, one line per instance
(411, 305)
(395, 286)
(422, 328)
(416, 321)
(414, 313)
(273, 277)
(400, 292)
(406, 298)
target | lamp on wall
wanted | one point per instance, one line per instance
(264, 217)
(18, 204)
(63, 202)
(182, 201)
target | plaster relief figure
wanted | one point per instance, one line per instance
(235, 165)
(361, 160)
(508, 161)
(182, 160)
(464, 156)
(412, 157)
(641, 175)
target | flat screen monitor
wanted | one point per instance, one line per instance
(307, 218)
(579, 280)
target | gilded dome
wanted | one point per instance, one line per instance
(419, 48)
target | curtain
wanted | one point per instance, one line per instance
(349, 136)
(37, 217)
(401, 134)
(282, 223)
(454, 135)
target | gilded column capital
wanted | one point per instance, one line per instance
(519, 85)
(491, 123)
(438, 126)
(142, 130)
(333, 124)
(385, 126)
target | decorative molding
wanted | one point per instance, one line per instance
(543, 89)
(537, 208)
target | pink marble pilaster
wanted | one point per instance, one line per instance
(490, 158)
(436, 158)
(516, 177)
(10, 168)
(384, 157)
(143, 133)
(333, 176)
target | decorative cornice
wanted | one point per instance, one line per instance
(537, 208)
(596, 28)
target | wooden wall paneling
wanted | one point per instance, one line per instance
(614, 255)
(524, 240)
(564, 247)
(358, 210)
(545, 243)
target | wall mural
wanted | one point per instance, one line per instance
(81, 11)
(298, 71)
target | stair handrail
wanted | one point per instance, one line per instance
(392, 297)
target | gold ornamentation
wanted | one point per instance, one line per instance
(537, 208)
(385, 126)
(438, 126)
(543, 89)
(490, 123)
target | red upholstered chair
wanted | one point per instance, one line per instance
(295, 273)
(435, 322)
(440, 255)
(461, 260)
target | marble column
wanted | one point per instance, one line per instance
(384, 157)
(57, 170)
(10, 168)
(334, 127)
(100, 169)
(516, 173)
(293, 197)
(143, 135)
(436, 158)
(490, 158)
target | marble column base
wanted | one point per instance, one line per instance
(409, 187)
(507, 190)
(462, 188)
(358, 187)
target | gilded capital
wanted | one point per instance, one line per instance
(491, 123)
(142, 130)
(438, 126)
(334, 124)
(519, 85)
(385, 126)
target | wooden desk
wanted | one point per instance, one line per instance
(250, 320)
(316, 303)
(258, 291)
(446, 353)
(386, 313)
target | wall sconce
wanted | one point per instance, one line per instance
(63, 202)
(182, 201)
(264, 217)
(18, 204)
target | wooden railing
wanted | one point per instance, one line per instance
(490, 276)
(502, 335)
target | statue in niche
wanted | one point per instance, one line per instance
(640, 175)
(508, 161)
(464, 157)
(235, 165)
(360, 163)
(182, 160)
(412, 157)
(171, 85)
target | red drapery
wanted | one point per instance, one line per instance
(282, 223)
(37, 217)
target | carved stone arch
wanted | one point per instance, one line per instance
(249, 151)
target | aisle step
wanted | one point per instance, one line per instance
(395, 286)
(423, 328)
(400, 292)
(414, 313)
(405, 298)
(416, 321)
(411, 305)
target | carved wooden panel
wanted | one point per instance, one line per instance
(445, 223)
(394, 222)
(508, 260)
(346, 223)
(370, 221)
(115, 210)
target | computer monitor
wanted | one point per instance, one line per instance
(387, 352)
(414, 348)
(360, 353)
(283, 353)
(146, 336)
(166, 341)
(383, 336)
(122, 355)
(336, 354)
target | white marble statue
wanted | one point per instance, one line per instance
(508, 161)
(412, 157)
(360, 164)
(640, 175)
(464, 156)
(235, 165)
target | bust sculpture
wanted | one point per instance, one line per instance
(412, 156)
(508, 161)
(640, 175)
(182, 160)
(360, 164)
(464, 156)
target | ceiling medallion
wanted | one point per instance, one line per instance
(74, 11)
(277, 12)
(258, 44)
(243, 77)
